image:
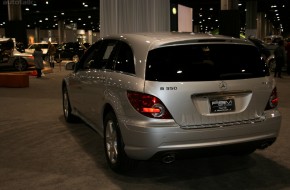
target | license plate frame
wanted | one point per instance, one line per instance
(221, 105)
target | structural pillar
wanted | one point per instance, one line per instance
(61, 37)
(269, 30)
(36, 34)
(230, 18)
(251, 18)
(90, 36)
(15, 27)
(261, 25)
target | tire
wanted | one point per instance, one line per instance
(20, 64)
(116, 157)
(67, 111)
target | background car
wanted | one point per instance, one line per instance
(265, 51)
(69, 50)
(272, 39)
(21, 61)
(159, 95)
(271, 63)
(270, 60)
(43, 45)
(10, 57)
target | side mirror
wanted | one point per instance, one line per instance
(70, 66)
(76, 58)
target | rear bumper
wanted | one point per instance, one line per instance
(143, 142)
(235, 149)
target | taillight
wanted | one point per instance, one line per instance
(148, 105)
(273, 100)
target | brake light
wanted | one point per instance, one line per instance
(151, 110)
(273, 100)
(148, 105)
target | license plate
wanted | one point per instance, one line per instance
(222, 105)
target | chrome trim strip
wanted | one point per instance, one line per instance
(226, 124)
(227, 93)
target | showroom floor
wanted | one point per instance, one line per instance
(39, 150)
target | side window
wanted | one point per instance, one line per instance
(90, 58)
(124, 61)
(101, 54)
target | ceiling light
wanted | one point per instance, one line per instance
(174, 11)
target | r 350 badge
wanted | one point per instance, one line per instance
(168, 88)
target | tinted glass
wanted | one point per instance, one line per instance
(90, 59)
(204, 63)
(98, 55)
(124, 61)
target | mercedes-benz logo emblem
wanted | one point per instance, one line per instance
(223, 85)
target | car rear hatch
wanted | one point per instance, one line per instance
(209, 85)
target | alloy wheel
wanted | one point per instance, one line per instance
(111, 142)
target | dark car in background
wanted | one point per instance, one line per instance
(68, 50)
(264, 50)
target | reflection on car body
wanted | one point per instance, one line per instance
(149, 96)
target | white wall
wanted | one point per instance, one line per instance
(122, 16)
(184, 19)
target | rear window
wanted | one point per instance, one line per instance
(204, 63)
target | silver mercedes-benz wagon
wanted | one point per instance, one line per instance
(155, 95)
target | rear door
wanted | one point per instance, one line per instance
(205, 85)
(92, 80)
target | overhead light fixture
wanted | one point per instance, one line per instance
(174, 10)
